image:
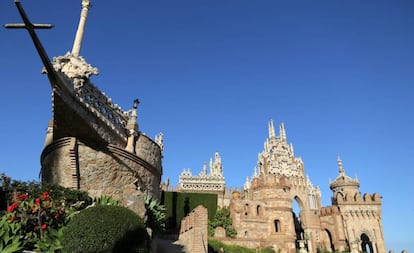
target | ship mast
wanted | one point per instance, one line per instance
(81, 28)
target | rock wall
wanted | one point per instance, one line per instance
(193, 233)
(103, 170)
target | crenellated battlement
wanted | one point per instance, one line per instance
(329, 210)
(355, 198)
(270, 180)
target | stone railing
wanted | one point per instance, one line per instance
(193, 232)
(102, 105)
(75, 73)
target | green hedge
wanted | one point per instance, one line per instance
(216, 246)
(105, 229)
(179, 204)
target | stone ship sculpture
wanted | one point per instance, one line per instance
(91, 143)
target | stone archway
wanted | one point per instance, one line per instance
(327, 242)
(297, 207)
(366, 243)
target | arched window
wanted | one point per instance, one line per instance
(258, 210)
(277, 225)
(246, 209)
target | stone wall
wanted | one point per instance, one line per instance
(193, 232)
(101, 170)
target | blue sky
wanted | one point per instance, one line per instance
(211, 74)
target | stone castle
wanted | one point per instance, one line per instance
(262, 211)
(94, 145)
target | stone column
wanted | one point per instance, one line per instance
(130, 144)
(81, 28)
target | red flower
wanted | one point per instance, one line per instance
(23, 197)
(38, 201)
(44, 226)
(14, 218)
(12, 207)
(33, 209)
(45, 196)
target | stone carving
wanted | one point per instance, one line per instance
(74, 67)
(160, 140)
(77, 72)
(210, 182)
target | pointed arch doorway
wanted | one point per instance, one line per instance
(366, 244)
(297, 223)
(326, 239)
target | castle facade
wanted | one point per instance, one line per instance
(262, 212)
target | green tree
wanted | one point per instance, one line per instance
(222, 218)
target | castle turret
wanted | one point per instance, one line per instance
(344, 184)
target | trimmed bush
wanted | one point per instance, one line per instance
(104, 229)
(179, 204)
(222, 219)
(216, 246)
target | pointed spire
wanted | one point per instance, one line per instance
(81, 28)
(340, 166)
(282, 132)
(271, 130)
(211, 166)
(205, 169)
(292, 151)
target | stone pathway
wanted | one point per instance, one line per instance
(168, 246)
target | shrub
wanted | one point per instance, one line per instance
(179, 204)
(10, 233)
(70, 198)
(222, 218)
(105, 228)
(156, 216)
(106, 200)
(218, 246)
(35, 222)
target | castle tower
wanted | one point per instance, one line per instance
(264, 213)
(343, 184)
(361, 216)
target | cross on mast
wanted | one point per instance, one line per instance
(30, 27)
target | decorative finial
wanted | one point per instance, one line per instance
(271, 130)
(81, 28)
(282, 131)
(340, 166)
(205, 169)
(136, 103)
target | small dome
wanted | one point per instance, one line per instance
(343, 181)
